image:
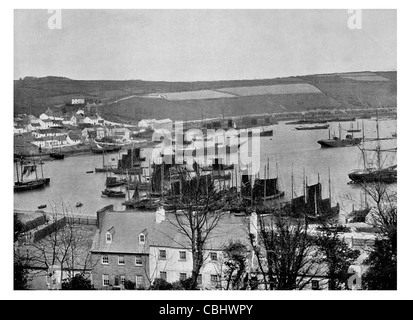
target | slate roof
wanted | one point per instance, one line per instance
(126, 227)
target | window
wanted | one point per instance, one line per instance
(163, 275)
(214, 256)
(122, 280)
(315, 285)
(138, 261)
(108, 237)
(105, 280)
(214, 279)
(162, 254)
(121, 260)
(105, 259)
(139, 281)
(182, 255)
(199, 279)
(141, 238)
(182, 276)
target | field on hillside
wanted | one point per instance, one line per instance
(143, 108)
(34, 95)
(296, 88)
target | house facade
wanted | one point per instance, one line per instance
(143, 246)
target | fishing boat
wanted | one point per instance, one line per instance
(376, 172)
(113, 194)
(311, 205)
(315, 127)
(27, 170)
(263, 189)
(338, 142)
(42, 206)
(57, 155)
(112, 182)
(127, 163)
(79, 204)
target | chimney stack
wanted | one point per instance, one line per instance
(160, 215)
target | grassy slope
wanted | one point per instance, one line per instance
(35, 95)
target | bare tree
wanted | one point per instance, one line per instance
(200, 210)
(62, 242)
(285, 252)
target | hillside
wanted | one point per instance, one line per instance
(137, 99)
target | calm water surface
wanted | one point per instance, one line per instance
(290, 152)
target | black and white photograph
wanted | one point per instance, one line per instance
(205, 150)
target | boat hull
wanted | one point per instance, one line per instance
(31, 185)
(388, 175)
(336, 143)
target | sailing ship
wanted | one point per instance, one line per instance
(378, 173)
(129, 162)
(262, 189)
(315, 127)
(311, 205)
(338, 142)
(27, 170)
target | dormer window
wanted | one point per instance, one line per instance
(141, 238)
(108, 237)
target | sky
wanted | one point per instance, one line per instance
(198, 45)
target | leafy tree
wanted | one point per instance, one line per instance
(78, 282)
(337, 256)
(161, 284)
(235, 254)
(382, 273)
(129, 285)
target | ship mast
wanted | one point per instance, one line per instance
(378, 143)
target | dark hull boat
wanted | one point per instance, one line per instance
(338, 143)
(112, 182)
(57, 155)
(386, 175)
(113, 194)
(31, 185)
(263, 189)
(312, 206)
(28, 169)
(325, 126)
(305, 122)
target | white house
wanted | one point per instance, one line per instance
(77, 119)
(136, 236)
(44, 116)
(76, 101)
(91, 119)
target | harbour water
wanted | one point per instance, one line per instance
(290, 152)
